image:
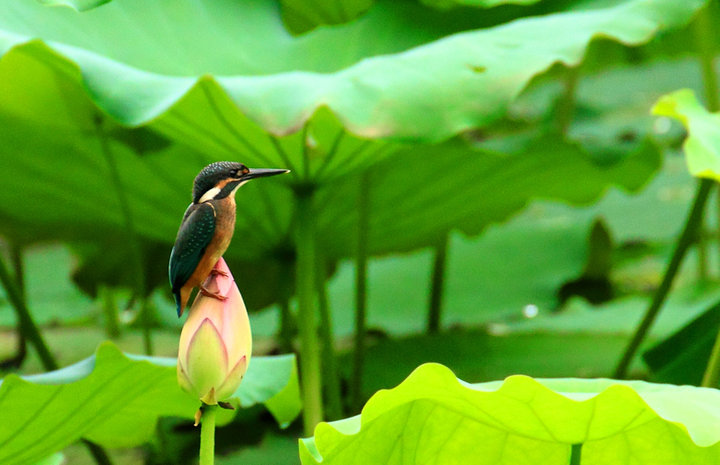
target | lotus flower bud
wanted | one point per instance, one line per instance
(215, 343)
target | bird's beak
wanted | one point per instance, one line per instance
(262, 172)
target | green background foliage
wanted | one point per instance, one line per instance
(482, 184)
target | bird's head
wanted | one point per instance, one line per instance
(221, 179)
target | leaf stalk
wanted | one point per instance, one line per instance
(437, 285)
(305, 288)
(704, 40)
(686, 239)
(136, 253)
(329, 361)
(360, 291)
(712, 370)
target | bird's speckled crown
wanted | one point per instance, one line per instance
(211, 175)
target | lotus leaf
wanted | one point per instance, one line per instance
(115, 400)
(434, 417)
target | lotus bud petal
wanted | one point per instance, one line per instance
(215, 342)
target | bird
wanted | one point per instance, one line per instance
(207, 227)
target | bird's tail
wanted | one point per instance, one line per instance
(178, 302)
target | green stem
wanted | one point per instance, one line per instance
(307, 328)
(566, 105)
(110, 311)
(25, 320)
(207, 434)
(285, 333)
(686, 239)
(99, 454)
(360, 292)
(329, 362)
(575, 454)
(702, 252)
(436, 290)
(287, 325)
(18, 268)
(146, 314)
(17, 262)
(712, 371)
(305, 151)
(704, 42)
(136, 253)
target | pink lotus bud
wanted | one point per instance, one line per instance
(215, 343)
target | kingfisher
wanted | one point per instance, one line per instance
(207, 227)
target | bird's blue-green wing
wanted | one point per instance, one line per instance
(196, 232)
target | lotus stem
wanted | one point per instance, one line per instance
(305, 288)
(575, 454)
(686, 239)
(287, 325)
(110, 311)
(136, 253)
(285, 332)
(360, 292)
(207, 434)
(147, 322)
(566, 104)
(704, 41)
(25, 321)
(712, 371)
(437, 285)
(99, 454)
(329, 362)
(16, 360)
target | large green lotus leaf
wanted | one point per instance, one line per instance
(701, 145)
(264, 75)
(45, 93)
(421, 193)
(73, 198)
(433, 417)
(115, 400)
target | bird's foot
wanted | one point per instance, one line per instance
(218, 272)
(208, 293)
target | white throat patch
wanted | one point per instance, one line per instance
(209, 195)
(212, 193)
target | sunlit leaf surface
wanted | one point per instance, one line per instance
(116, 400)
(278, 81)
(703, 142)
(434, 417)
